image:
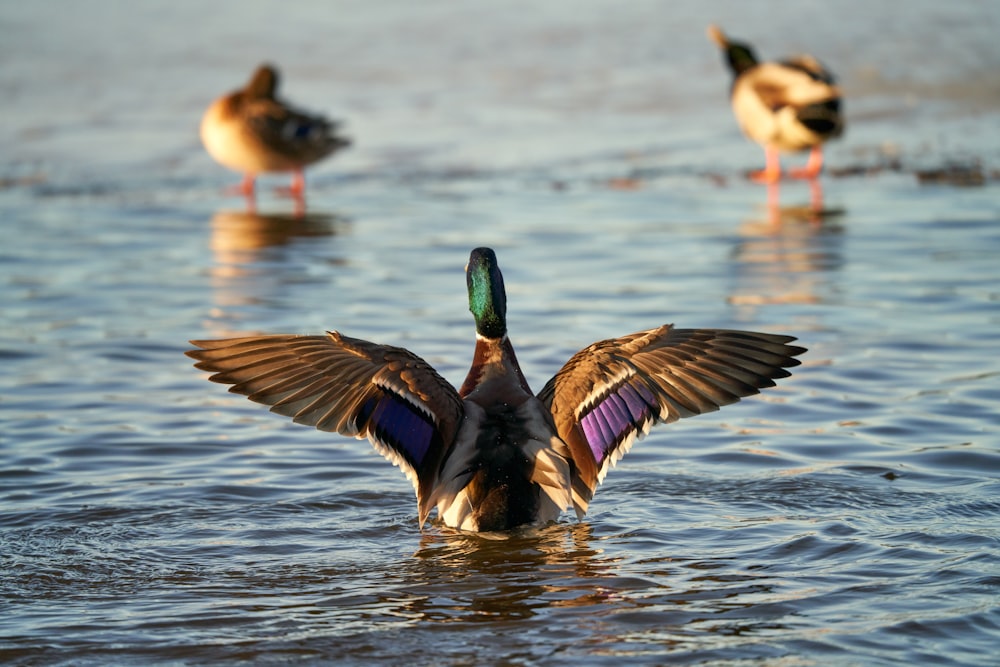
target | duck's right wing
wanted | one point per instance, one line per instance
(295, 134)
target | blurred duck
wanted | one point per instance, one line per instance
(493, 455)
(792, 105)
(252, 131)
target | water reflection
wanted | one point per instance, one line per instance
(250, 196)
(249, 248)
(562, 572)
(785, 254)
(525, 549)
(813, 212)
(239, 237)
(530, 571)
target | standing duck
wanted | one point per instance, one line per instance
(492, 455)
(252, 131)
(792, 105)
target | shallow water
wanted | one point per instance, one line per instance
(848, 516)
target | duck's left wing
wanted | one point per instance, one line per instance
(347, 385)
(614, 391)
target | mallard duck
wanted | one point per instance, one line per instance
(492, 455)
(792, 105)
(252, 131)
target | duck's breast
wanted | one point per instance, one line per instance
(232, 142)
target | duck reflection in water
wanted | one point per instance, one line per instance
(814, 212)
(786, 254)
(525, 547)
(239, 237)
(458, 576)
(533, 568)
(242, 242)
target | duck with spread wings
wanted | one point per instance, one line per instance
(493, 455)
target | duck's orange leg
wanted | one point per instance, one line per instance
(813, 167)
(772, 167)
(297, 189)
(296, 192)
(245, 188)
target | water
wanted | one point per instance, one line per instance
(847, 517)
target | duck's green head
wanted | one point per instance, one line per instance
(487, 298)
(264, 83)
(740, 56)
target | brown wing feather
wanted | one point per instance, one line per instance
(614, 391)
(294, 134)
(779, 85)
(350, 386)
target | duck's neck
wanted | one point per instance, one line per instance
(494, 365)
(740, 58)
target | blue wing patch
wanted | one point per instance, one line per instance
(300, 130)
(400, 425)
(613, 417)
